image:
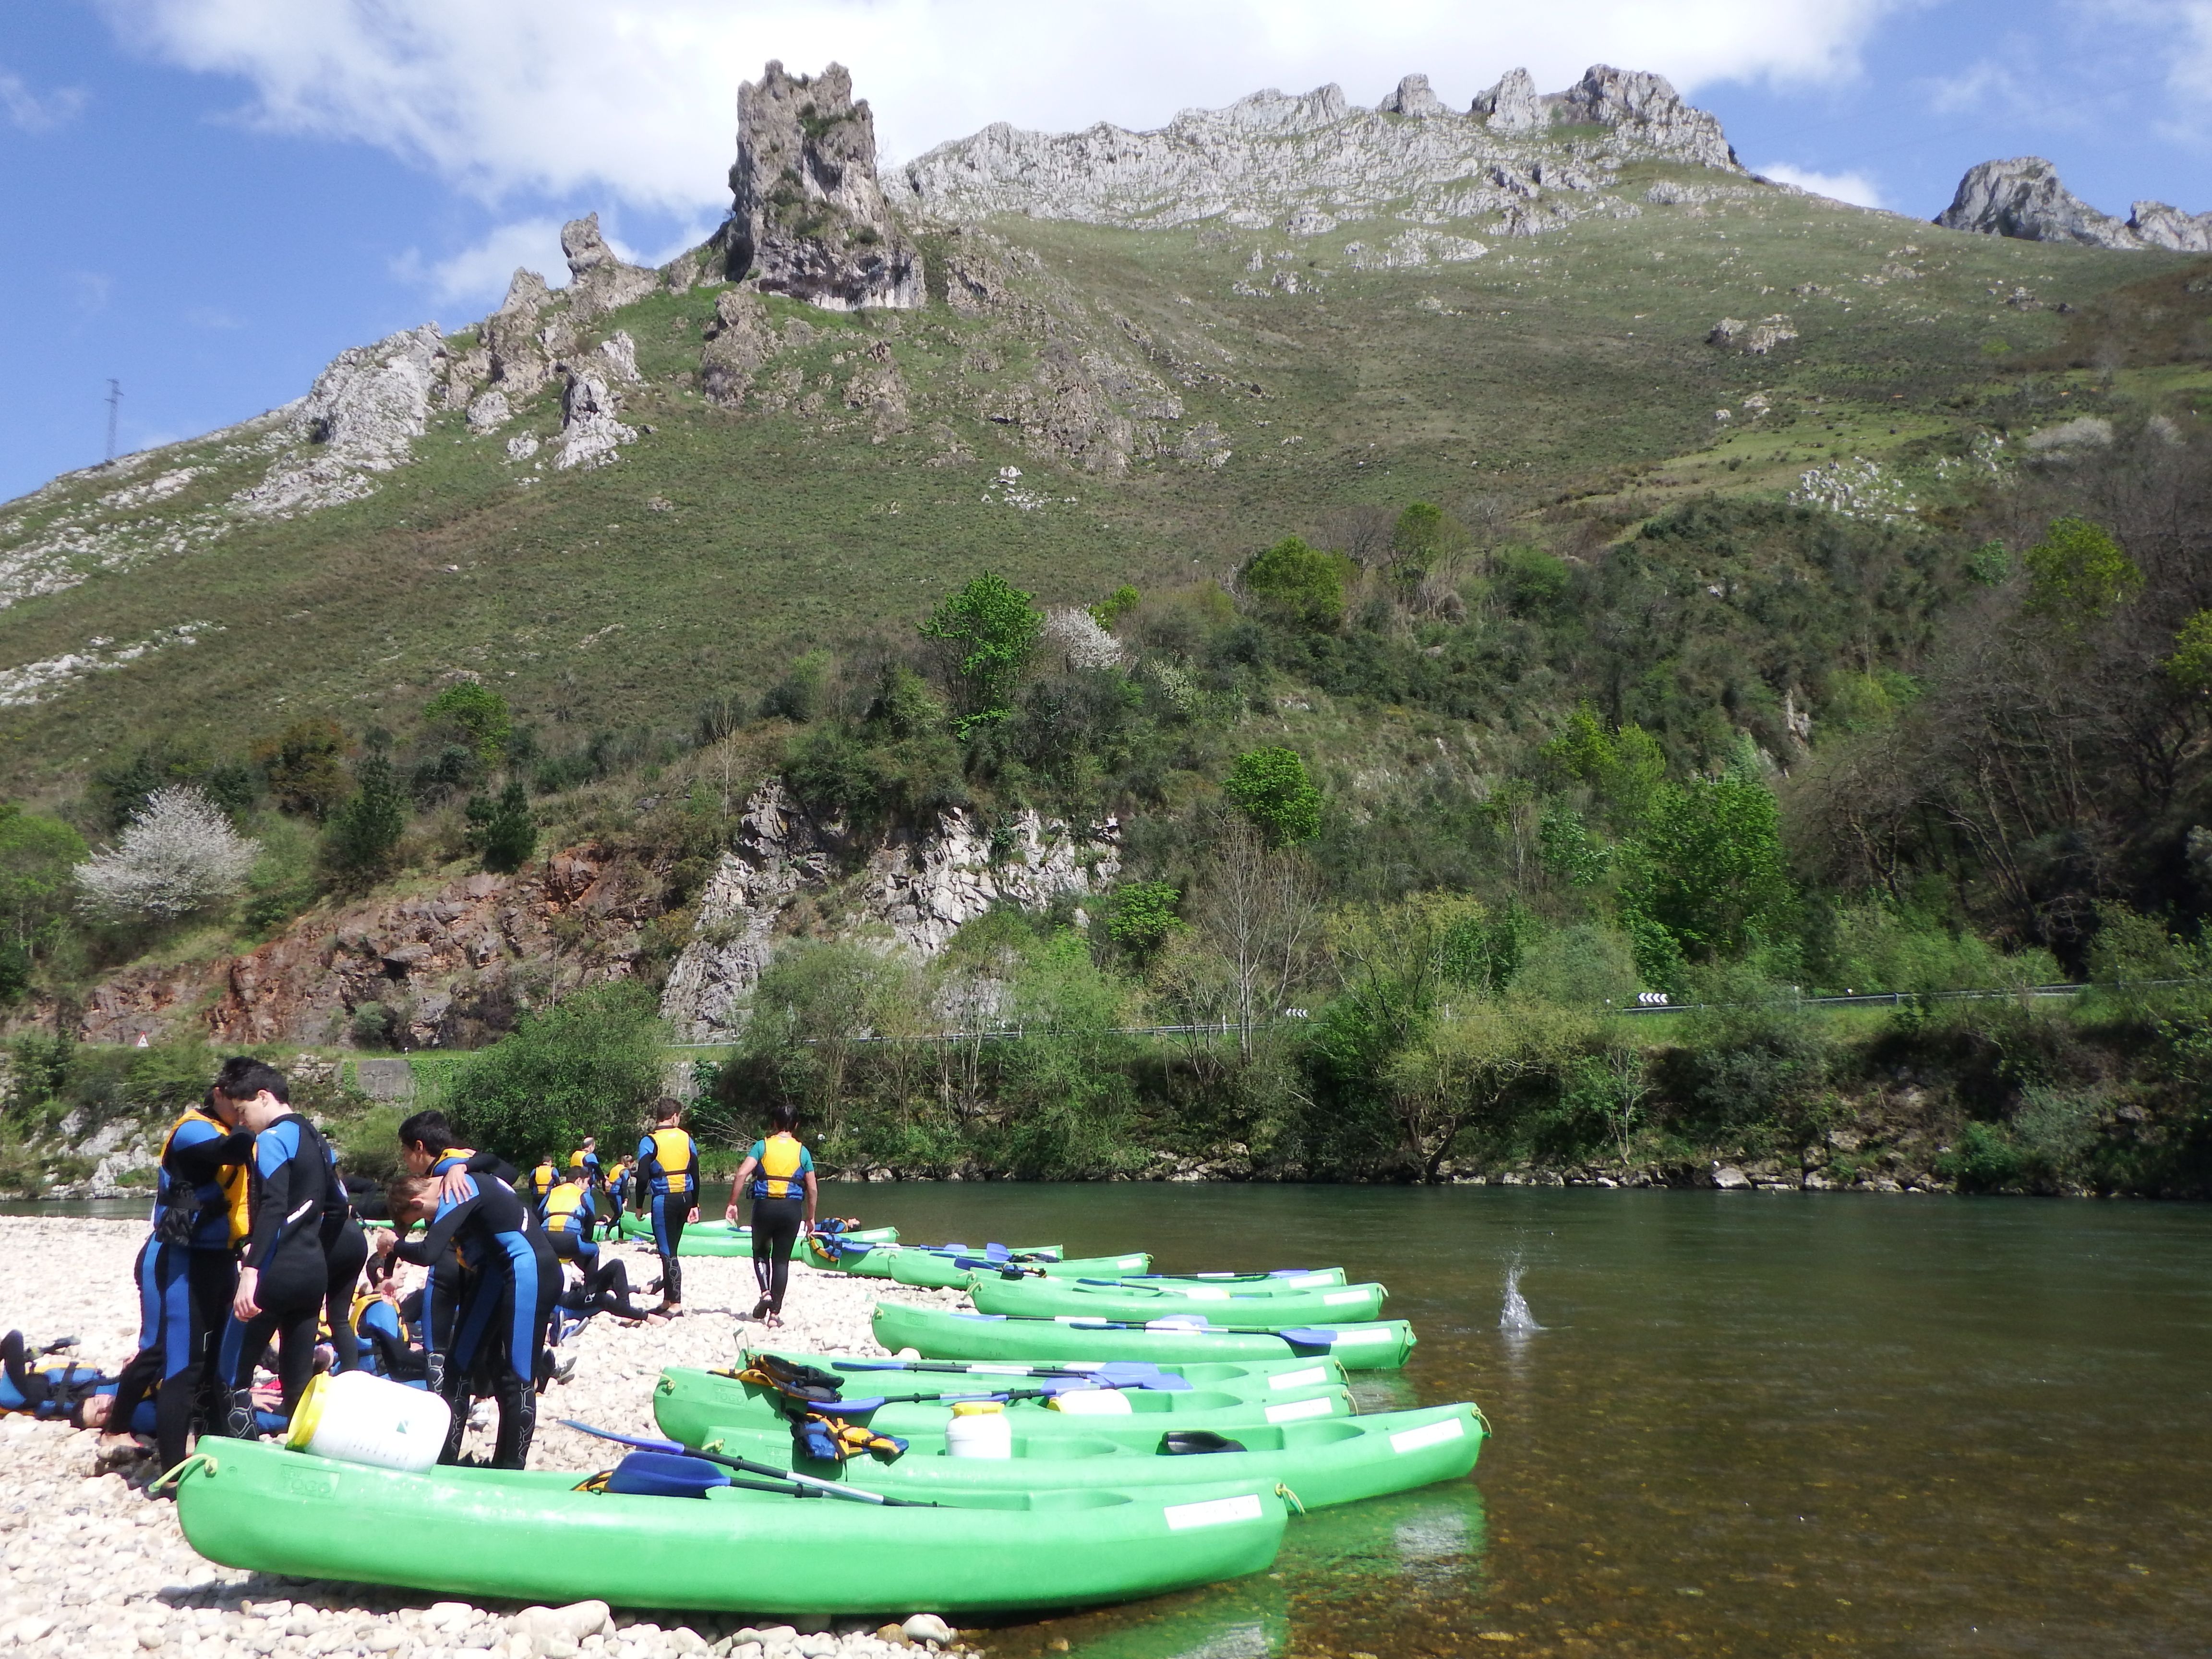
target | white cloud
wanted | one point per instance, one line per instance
(34, 113)
(1856, 188)
(480, 274)
(633, 99)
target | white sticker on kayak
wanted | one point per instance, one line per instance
(998, 1371)
(1311, 1377)
(1132, 1263)
(1307, 1281)
(1205, 1293)
(1216, 1512)
(1342, 1299)
(1433, 1434)
(1347, 1336)
(1291, 1410)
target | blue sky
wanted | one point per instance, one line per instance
(207, 199)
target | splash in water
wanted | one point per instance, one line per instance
(1514, 1319)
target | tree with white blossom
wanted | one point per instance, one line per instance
(177, 854)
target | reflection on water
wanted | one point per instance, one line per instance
(1755, 1423)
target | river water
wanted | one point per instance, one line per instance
(1751, 1423)
(1755, 1423)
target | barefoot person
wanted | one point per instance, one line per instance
(668, 1170)
(778, 1176)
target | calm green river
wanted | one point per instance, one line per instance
(1752, 1423)
(1764, 1424)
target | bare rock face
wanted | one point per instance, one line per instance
(1512, 105)
(361, 418)
(738, 341)
(2024, 198)
(599, 280)
(1268, 158)
(912, 896)
(591, 434)
(1755, 339)
(1647, 106)
(808, 217)
(1413, 97)
(2165, 226)
(520, 365)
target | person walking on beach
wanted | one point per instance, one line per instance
(284, 1278)
(187, 1274)
(668, 1177)
(778, 1177)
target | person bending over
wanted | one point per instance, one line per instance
(285, 1276)
(428, 1146)
(513, 1278)
(668, 1172)
(778, 1177)
(187, 1274)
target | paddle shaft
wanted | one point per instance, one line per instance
(809, 1485)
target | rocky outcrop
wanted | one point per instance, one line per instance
(1757, 339)
(520, 365)
(1414, 96)
(598, 280)
(590, 433)
(2159, 226)
(360, 418)
(808, 214)
(912, 895)
(1512, 105)
(738, 341)
(2023, 197)
(1270, 156)
(1646, 109)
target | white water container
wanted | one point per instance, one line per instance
(1093, 1402)
(979, 1428)
(354, 1418)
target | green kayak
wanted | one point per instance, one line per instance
(688, 1403)
(935, 1334)
(721, 1238)
(532, 1537)
(933, 1270)
(1249, 1379)
(1084, 1298)
(1282, 1278)
(1336, 1460)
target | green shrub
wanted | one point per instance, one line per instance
(590, 1065)
(477, 717)
(305, 767)
(992, 628)
(1300, 583)
(361, 844)
(502, 831)
(1270, 787)
(1140, 915)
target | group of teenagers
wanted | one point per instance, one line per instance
(257, 1242)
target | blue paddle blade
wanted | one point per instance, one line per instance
(854, 1408)
(996, 1252)
(1130, 1373)
(871, 1364)
(1308, 1336)
(1288, 1273)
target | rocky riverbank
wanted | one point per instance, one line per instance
(91, 1568)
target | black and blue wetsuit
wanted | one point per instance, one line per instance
(447, 1285)
(500, 1328)
(668, 1174)
(187, 1274)
(291, 1185)
(345, 1253)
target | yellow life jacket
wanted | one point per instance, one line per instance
(779, 1159)
(673, 1150)
(542, 1179)
(577, 1159)
(562, 1203)
(235, 1182)
(363, 1302)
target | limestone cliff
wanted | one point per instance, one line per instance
(2024, 197)
(912, 894)
(1269, 157)
(807, 217)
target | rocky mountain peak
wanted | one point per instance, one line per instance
(1273, 157)
(2024, 197)
(808, 214)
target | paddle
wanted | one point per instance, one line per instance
(807, 1483)
(1303, 1336)
(1116, 1374)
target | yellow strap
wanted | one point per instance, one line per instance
(176, 1477)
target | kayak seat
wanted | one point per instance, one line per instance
(1194, 1443)
(663, 1475)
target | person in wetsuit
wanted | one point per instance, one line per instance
(187, 1274)
(500, 1326)
(668, 1182)
(345, 1252)
(543, 1178)
(427, 1136)
(778, 1177)
(285, 1277)
(567, 1212)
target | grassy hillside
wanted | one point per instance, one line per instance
(1560, 367)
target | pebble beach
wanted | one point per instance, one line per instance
(90, 1567)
